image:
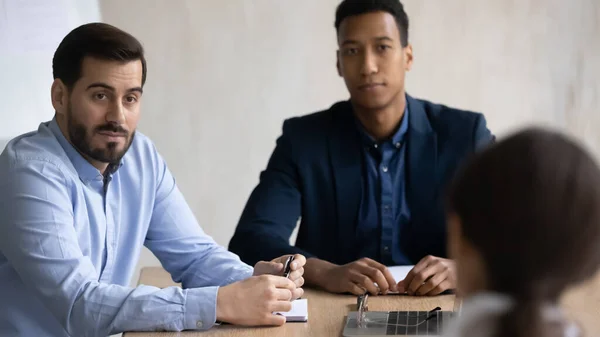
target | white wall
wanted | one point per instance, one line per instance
(224, 74)
(30, 32)
(518, 61)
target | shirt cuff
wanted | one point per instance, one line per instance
(200, 308)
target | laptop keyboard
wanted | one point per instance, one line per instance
(405, 323)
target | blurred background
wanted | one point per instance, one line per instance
(224, 74)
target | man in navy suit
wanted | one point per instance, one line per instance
(366, 176)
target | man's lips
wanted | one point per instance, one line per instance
(112, 136)
(370, 86)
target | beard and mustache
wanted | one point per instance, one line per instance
(82, 140)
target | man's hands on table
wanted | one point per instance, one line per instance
(431, 276)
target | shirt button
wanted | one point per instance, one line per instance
(375, 146)
(386, 248)
(398, 145)
(199, 324)
(386, 207)
(384, 168)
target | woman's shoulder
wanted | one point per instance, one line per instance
(480, 315)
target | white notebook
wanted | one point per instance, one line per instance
(299, 312)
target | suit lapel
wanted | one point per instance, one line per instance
(421, 158)
(345, 156)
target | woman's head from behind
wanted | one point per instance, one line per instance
(524, 217)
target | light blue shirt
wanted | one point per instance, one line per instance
(68, 249)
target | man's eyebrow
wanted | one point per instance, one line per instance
(347, 42)
(138, 89)
(101, 85)
(111, 88)
(384, 38)
(378, 38)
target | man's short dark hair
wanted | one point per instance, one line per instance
(98, 40)
(357, 7)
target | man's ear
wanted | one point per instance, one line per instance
(337, 62)
(59, 94)
(408, 57)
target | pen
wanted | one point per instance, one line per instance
(287, 268)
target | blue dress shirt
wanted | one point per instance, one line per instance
(383, 207)
(70, 240)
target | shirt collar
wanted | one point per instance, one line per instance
(86, 171)
(396, 139)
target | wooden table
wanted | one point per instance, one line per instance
(327, 312)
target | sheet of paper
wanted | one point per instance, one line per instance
(400, 272)
(299, 312)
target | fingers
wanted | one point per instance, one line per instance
(390, 282)
(390, 279)
(297, 293)
(283, 306)
(440, 288)
(299, 282)
(280, 306)
(401, 286)
(413, 272)
(274, 320)
(282, 294)
(279, 282)
(373, 275)
(276, 266)
(299, 262)
(421, 278)
(355, 289)
(363, 281)
(284, 288)
(433, 282)
(271, 267)
(296, 274)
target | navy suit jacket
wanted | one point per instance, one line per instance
(314, 174)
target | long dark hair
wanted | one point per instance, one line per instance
(530, 204)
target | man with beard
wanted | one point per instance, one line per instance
(82, 194)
